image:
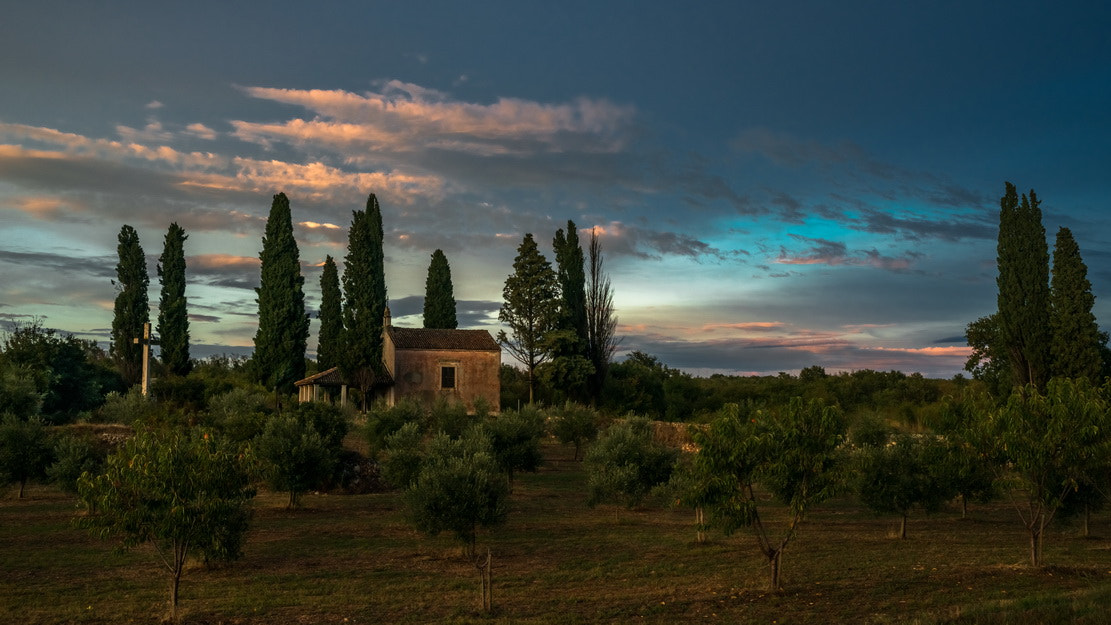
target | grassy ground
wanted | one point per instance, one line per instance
(353, 559)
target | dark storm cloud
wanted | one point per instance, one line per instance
(917, 229)
(469, 313)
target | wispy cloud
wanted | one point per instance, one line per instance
(826, 252)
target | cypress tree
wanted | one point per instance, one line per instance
(283, 324)
(173, 316)
(1076, 341)
(439, 295)
(530, 308)
(1023, 261)
(364, 292)
(132, 308)
(570, 369)
(330, 341)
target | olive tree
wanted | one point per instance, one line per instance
(626, 463)
(182, 492)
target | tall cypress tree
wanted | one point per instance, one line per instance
(283, 324)
(530, 308)
(439, 295)
(1023, 260)
(132, 308)
(364, 292)
(570, 368)
(1076, 340)
(330, 340)
(173, 316)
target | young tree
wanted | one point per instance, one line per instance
(364, 290)
(1047, 445)
(283, 324)
(795, 456)
(515, 440)
(330, 343)
(173, 316)
(626, 463)
(131, 309)
(898, 477)
(601, 324)
(1023, 281)
(295, 456)
(576, 425)
(531, 304)
(439, 295)
(182, 492)
(25, 451)
(1076, 340)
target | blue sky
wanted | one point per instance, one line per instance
(776, 185)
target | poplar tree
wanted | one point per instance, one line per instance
(1023, 260)
(439, 296)
(531, 295)
(132, 308)
(364, 291)
(1076, 341)
(173, 317)
(283, 324)
(330, 340)
(601, 323)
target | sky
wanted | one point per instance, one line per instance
(774, 185)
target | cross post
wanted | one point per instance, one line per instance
(146, 341)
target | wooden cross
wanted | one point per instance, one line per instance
(147, 340)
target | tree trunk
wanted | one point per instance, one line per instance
(775, 562)
(903, 527)
(1036, 529)
(175, 582)
(22, 484)
(700, 524)
(1087, 520)
(484, 572)
(964, 506)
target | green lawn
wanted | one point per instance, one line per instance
(353, 559)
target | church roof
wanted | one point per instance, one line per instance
(427, 338)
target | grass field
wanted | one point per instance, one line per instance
(353, 559)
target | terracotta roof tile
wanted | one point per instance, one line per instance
(425, 338)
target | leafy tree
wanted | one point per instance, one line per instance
(1047, 445)
(988, 360)
(73, 457)
(515, 440)
(1076, 341)
(19, 392)
(403, 453)
(383, 421)
(25, 451)
(794, 455)
(131, 309)
(459, 489)
(173, 316)
(330, 342)
(295, 456)
(570, 368)
(637, 385)
(1023, 260)
(626, 463)
(601, 322)
(364, 290)
(182, 492)
(240, 414)
(902, 475)
(576, 425)
(283, 325)
(439, 295)
(531, 304)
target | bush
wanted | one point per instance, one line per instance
(626, 463)
(449, 417)
(576, 425)
(240, 414)
(403, 454)
(383, 421)
(515, 440)
(295, 456)
(73, 455)
(24, 451)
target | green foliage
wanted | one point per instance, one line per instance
(70, 375)
(1075, 350)
(173, 316)
(25, 451)
(73, 457)
(458, 489)
(134, 408)
(529, 309)
(515, 440)
(1023, 281)
(795, 455)
(328, 420)
(570, 368)
(574, 424)
(330, 342)
(626, 463)
(131, 309)
(1051, 443)
(239, 414)
(283, 325)
(182, 492)
(295, 456)
(403, 453)
(382, 421)
(364, 290)
(439, 295)
(19, 393)
(869, 430)
(904, 474)
(449, 417)
(637, 385)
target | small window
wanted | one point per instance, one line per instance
(447, 377)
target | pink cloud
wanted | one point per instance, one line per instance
(222, 261)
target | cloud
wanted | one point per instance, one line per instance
(621, 239)
(826, 252)
(200, 131)
(154, 104)
(917, 228)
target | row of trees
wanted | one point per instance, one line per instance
(562, 321)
